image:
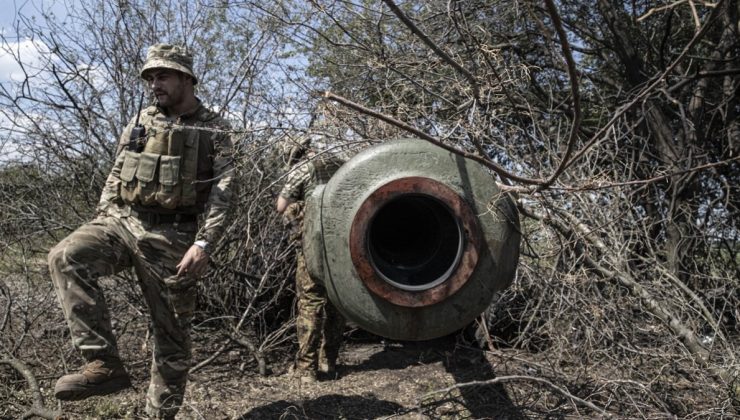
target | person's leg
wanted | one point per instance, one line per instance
(96, 249)
(308, 320)
(171, 301)
(333, 333)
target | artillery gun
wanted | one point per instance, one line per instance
(411, 240)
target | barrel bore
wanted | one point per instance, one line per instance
(414, 241)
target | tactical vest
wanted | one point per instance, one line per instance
(164, 173)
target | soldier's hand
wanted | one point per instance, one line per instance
(194, 262)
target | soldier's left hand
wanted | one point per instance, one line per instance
(194, 262)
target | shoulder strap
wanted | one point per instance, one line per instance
(206, 115)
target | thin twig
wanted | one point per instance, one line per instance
(574, 91)
(651, 86)
(402, 125)
(256, 353)
(511, 378)
(437, 49)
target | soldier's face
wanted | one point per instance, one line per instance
(168, 86)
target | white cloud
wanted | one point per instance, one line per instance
(30, 53)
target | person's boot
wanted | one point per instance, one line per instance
(98, 377)
(306, 375)
(328, 367)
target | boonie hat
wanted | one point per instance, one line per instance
(167, 56)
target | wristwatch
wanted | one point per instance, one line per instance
(203, 245)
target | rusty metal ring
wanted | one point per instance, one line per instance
(456, 277)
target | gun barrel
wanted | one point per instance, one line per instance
(410, 240)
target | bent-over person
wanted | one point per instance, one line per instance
(319, 325)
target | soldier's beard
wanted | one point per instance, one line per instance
(169, 98)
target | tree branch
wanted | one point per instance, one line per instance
(437, 50)
(574, 91)
(37, 408)
(647, 90)
(511, 378)
(390, 120)
(654, 306)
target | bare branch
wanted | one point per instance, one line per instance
(390, 120)
(37, 408)
(514, 378)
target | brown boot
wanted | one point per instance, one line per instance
(99, 377)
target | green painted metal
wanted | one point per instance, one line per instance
(333, 208)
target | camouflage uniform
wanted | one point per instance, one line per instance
(319, 326)
(152, 239)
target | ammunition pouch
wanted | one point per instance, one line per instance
(164, 173)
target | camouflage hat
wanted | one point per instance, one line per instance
(167, 56)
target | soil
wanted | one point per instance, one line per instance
(375, 379)
(447, 378)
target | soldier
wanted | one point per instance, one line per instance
(319, 326)
(166, 175)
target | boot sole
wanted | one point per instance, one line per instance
(75, 393)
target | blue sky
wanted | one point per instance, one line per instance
(11, 12)
(12, 9)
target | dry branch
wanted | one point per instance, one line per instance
(570, 226)
(37, 408)
(512, 378)
(402, 125)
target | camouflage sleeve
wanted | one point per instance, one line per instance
(295, 185)
(113, 182)
(219, 200)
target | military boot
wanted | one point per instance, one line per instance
(304, 375)
(329, 368)
(98, 377)
(328, 362)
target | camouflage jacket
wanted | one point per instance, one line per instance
(301, 182)
(213, 182)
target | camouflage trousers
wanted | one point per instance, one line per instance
(106, 246)
(319, 326)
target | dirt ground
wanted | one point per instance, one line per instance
(375, 379)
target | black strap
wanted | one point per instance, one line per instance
(158, 218)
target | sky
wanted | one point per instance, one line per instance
(11, 12)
